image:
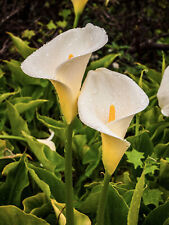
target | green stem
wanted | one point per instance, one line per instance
(103, 200)
(76, 20)
(12, 137)
(68, 176)
(137, 124)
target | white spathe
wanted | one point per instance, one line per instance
(48, 141)
(101, 89)
(52, 62)
(163, 93)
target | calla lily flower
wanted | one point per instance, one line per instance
(107, 103)
(63, 60)
(48, 141)
(163, 93)
(78, 6)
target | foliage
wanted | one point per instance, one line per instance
(32, 180)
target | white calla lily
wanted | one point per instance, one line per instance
(163, 93)
(48, 141)
(63, 60)
(107, 102)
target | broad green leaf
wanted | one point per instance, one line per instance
(19, 77)
(21, 46)
(142, 139)
(135, 157)
(151, 117)
(18, 124)
(103, 62)
(13, 215)
(4, 96)
(79, 218)
(57, 126)
(152, 196)
(162, 150)
(159, 131)
(92, 158)
(133, 213)
(38, 205)
(16, 180)
(22, 107)
(40, 183)
(164, 174)
(158, 216)
(51, 160)
(116, 208)
(48, 182)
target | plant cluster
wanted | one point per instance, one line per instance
(38, 128)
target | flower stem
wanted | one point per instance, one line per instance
(103, 200)
(12, 137)
(76, 20)
(137, 124)
(68, 175)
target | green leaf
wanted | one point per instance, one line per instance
(16, 121)
(57, 126)
(33, 202)
(163, 63)
(19, 77)
(164, 174)
(13, 215)
(158, 216)
(4, 96)
(16, 180)
(151, 118)
(103, 62)
(28, 34)
(162, 150)
(133, 213)
(92, 157)
(142, 139)
(1, 73)
(51, 160)
(51, 25)
(38, 205)
(48, 182)
(21, 46)
(79, 218)
(152, 196)
(23, 107)
(62, 24)
(65, 13)
(166, 222)
(116, 208)
(135, 157)
(153, 75)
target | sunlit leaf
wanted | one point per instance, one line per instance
(13, 215)
(21, 46)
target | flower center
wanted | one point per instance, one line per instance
(70, 56)
(111, 113)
